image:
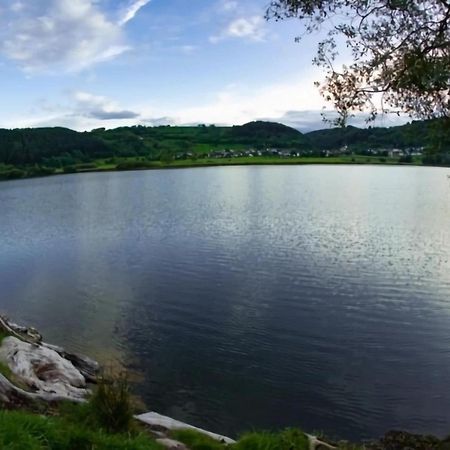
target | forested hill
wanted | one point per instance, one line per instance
(43, 145)
(414, 134)
(36, 145)
(59, 147)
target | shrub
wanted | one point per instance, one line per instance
(405, 159)
(12, 174)
(86, 166)
(69, 169)
(111, 404)
(133, 165)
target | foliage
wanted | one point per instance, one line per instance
(412, 135)
(129, 148)
(290, 439)
(437, 159)
(111, 403)
(134, 164)
(268, 134)
(20, 430)
(195, 440)
(30, 146)
(400, 49)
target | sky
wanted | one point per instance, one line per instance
(85, 64)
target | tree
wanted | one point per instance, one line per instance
(400, 49)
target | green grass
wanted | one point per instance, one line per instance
(290, 439)
(20, 430)
(196, 441)
(5, 370)
(3, 335)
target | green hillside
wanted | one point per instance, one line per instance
(414, 134)
(41, 151)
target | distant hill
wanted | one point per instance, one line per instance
(268, 134)
(265, 130)
(415, 134)
(59, 147)
(35, 145)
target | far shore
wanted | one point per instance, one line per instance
(133, 164)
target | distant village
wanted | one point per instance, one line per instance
(293, 153)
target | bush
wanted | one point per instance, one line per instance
(69, 169)
(111, 404)
(86, 166)
(133, 165)
(37, 171)
(405, 159)
(437, 159)
(12, 174)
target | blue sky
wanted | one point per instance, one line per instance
(86, 64)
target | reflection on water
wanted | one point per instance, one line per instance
(248, 297)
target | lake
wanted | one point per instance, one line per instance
(246, 297)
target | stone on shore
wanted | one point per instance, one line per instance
(156, 420)
(43, 369)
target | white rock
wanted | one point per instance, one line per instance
(155, 419)
(43, 369)
(171, 444)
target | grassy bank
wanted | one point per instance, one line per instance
(70, 430)
(20, 430)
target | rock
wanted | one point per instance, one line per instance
(171, 444)
(43, 369)
(87, 366)
(27, 334)
(163, 422)
(317, 444)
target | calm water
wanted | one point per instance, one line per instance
(247, 297)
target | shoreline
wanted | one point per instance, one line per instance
(20, 396)
(232, 163)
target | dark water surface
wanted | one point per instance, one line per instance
(247, 297)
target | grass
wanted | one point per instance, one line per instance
(290, 439)
(111, 402)
(3, 335)
(196, 441)
(20, 430)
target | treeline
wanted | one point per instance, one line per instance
(40, 145)
(45, 149)
(433, 135)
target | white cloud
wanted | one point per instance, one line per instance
(62, 35)
(251, 28)
(239, 104)
(17, 6)
(228, 5)
(235, 104)
(131, 10)
(99, 107)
